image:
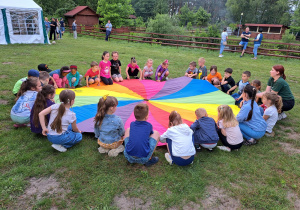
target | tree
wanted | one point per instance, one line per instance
(144, 9)
(163, 24)
(296, 17)
(202, 17)
(117, 11)
(186, 15)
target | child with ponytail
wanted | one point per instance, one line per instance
(62, 130)
(44, 99)
(251, 122)
(109, 128)
(229, 131)
(273, 103)
(133, 69)
(179, 138)
(20, 113)
(105, 73)
(162, 71)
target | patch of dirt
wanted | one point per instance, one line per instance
(127, 203)
(9, 63)
(217, 199)
(5, 92)
(191, 206)
(3, 102)
(290, 135)
(289, 148)
(41, 188)
(3, 76)
(294, 199)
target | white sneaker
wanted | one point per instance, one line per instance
(220, 56)
(282, 116)
(59, 147)
(227, 149)
(168, 158)
(103, 150)
(167, 78)
(115, 152)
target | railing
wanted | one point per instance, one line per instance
(290, 50)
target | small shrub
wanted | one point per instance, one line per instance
(288, 37)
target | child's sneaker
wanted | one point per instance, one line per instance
(198, 148)
(270, 134)
(167, 78)
(103, 150)
(59, 147)
(152, 161)
(282, 116)
(136, 77)
(227, 149)
(168, 158)
(220, 56)
(115, 152)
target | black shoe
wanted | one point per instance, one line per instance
(149, 78)
(198, 148)
(152, 161)
(136, 77)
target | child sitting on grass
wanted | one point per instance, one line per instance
(240, 85)
(202, 68)
(104, 66)
(44, 99)
(205, 131)
(179, 138)
(148, 69)
(227, 81)
(273, 103)
(20, 112)
(133, 69)
(192, 71)
(62, 130)
(214, 77)
(229, 130)
(116, 67)
(44, 68)
(74, 77)
(92, 75)
(59, 76)
(140, 139)
(44, 78)
(109, 128)
(162, 71)
(31, 74)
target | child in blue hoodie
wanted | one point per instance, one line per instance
(205, 131)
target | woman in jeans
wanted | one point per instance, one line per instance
(224, 37)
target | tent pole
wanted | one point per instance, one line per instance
(7, 38)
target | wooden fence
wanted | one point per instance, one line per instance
(290, 50)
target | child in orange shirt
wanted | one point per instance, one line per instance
(214, 77)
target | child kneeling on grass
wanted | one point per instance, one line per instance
(62, 130)
(109, 128)
(205, 131)
(140, 139)
(179, 138)
(74, 77)
(93, 74)
(229, 132)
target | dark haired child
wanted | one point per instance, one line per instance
(104, 65)
(20, 112)
(192, 71)
(252, 124)
(133, 69)
(240, 85)
(62, 130)
(31, 73)
(227, 81)
(44, 99)
(74, 78)
(44, 78)
(60, 77)
(140, 139)
(214, 76)
(205, 131)
(116, 67)
(44, 68)
(92, 74)
(162, 71)
(179, 138)
(109, 128)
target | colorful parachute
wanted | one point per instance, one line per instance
(182, 94)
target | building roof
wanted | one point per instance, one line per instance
(263, 25)
(132, 17)
(76, 11)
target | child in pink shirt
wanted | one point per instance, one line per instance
(105, 65)
(133, 69)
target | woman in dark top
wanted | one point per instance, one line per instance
(278, 85)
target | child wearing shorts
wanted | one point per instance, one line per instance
(92, 75)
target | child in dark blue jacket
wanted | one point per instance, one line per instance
(205, 131)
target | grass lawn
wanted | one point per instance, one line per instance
(263, 176)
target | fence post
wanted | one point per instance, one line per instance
(177, 41)
(208, 44)
(151, 39)
(287, 53)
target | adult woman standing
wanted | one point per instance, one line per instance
(278, 85)
(224, 37)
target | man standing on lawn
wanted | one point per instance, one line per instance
(245, 38)
(108, 27)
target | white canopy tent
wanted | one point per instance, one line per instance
(21, 21)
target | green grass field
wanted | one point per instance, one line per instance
(263, 176)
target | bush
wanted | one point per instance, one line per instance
(288, 37)
(189, 26)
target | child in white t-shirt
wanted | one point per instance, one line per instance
(273, 102)
(62, 130)
(148, 70)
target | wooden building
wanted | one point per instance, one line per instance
(270, 31)
(83, 16)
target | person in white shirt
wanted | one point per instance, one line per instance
(224, 37)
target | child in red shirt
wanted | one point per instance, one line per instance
(92, 75)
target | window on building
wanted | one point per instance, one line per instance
(265, 29)
(275, 30)
(25, 22)
(253, 28)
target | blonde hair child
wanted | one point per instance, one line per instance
(109, 128)
(148, 69)
(62, 130)
(229, 130)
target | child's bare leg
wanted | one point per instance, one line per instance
(97, 80)
(116, 79)
(167, 74)
(156, 136)
(121, 79)
(91, 81)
